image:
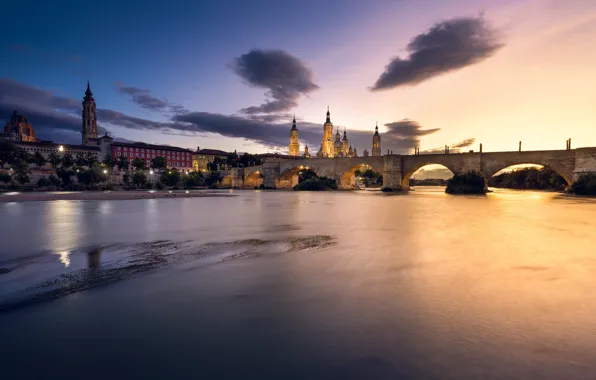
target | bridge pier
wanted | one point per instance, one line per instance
(392, 173)
(585, 162)
(237, 175)
(271, 174)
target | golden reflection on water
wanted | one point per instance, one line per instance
(65, 229)
(64, 258)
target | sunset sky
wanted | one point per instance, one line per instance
(230, 74)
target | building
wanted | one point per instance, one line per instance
(202, 157)
(365, 153)
(376, 143)
(327, 146)
(46, 148)
(337, 145)
(294, 144)
(179, 158)
(306, 153)
(18, 129)
(89, 128)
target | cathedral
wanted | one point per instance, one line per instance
(340, 147)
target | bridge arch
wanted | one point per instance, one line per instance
(407, 175)
(226, 182)
(493, 171)
(289, 177)
(252, 180)
(347, 178)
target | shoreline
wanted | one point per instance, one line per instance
(107, 195)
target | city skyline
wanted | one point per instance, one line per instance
(242, 93)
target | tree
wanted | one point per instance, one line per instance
(67, 160)
(38, 159)
(108, 161)
(21, 171)
(54, 159)
(80, 159)
(213, 178)
(22, 155)
(306, 174)
(585, 185)
(194, 179)
(7, 152)
(139, 178)
(138, 163)
(467, 183)
(122, 163)
(90, 159)
(159, 163)
(65, 175)
(5, 177)
(171, 177)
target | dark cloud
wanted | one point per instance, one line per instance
(58, 118)
(463, 144)
(446, 46)
(143, 97)
(284, 77)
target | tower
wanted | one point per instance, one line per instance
(306, 153)
(89, 130)
(294, 145)
(345, 144)
(327, 148)
(337, 144)
(376, 147)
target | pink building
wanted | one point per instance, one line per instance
(178, 158)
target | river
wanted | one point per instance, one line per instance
(300, 285)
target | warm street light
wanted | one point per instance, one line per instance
(151, 172)
(105, 171)
(61, 148)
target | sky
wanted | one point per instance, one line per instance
(231, 75)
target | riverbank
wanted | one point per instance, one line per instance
(107, 195)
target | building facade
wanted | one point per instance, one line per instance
(202, 157)
(376, 143)
(178, 158)
(18, 129)
(294, 144)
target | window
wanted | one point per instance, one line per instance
(119, 154)
(125, 154)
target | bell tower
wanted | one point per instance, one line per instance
(89, 129)
(376, 143)
(294, 144)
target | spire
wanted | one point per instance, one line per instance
(328, 116)
(294, 124)
(88, 93)
(345, 134)
(376, 128)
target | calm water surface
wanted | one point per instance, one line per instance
(286, 285)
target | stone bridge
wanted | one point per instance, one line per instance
(397, 169)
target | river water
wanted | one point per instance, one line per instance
(299, 285)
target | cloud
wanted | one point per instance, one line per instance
(453, 148)
(58, 118)
(284, 77)
(143, 97)
(446, 46)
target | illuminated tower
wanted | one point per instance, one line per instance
(337, 144)
(327, 148)
(376, 148)
(89, 130)
(306, 154)
(345, 144)
(294, 145)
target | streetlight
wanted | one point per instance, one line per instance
(61, 148)
(151, 172)
(105, 171)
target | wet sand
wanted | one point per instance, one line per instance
(108, 195)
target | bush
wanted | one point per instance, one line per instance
(317, 184)
(5, 177)
(585, 185)
(44, 182)
(171, 177)
(159, 186)
(55, 181)
(467, 183)
(213, 185)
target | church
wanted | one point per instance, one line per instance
(330, 148)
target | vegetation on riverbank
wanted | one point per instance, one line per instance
(308, 180)
(468, 183)
(369, 178)
(585, 185)
(529, 179)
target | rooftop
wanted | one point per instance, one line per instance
(212, 152)
(150, 146)
(51, 144)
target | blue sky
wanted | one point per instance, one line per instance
(186, 54)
